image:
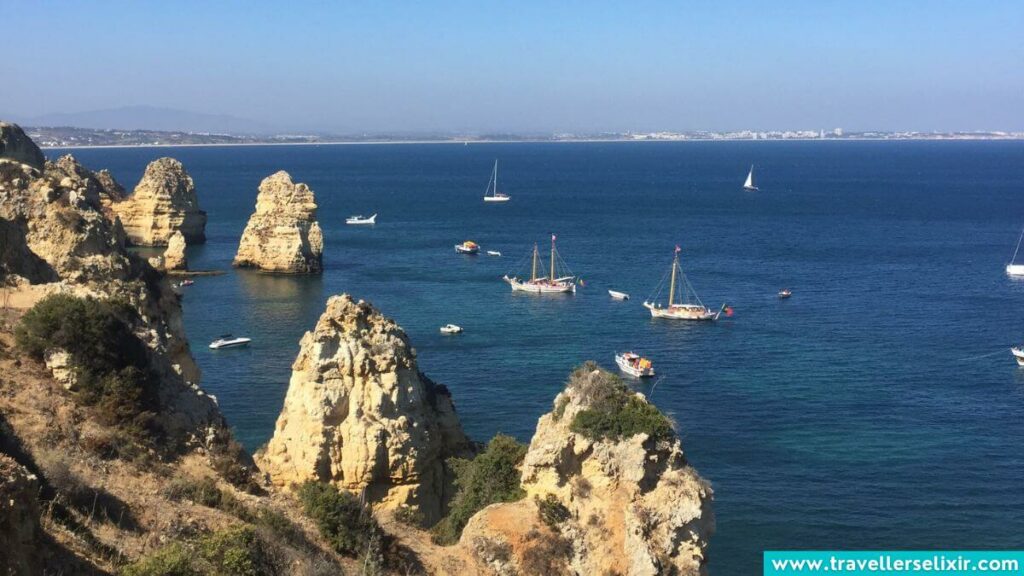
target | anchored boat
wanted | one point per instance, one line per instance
(550, 284)
(451, 329)
(616, 295)
(634, 365)
(1013, 269)
(749, 184)
(229, 341)
(491, 194)
(1018, 353)
(688, 305)
(468, 247)
(360, 219)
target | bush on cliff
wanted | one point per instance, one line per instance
(347, 525)
(613, 411)
(110, 362)
(231, 552)
(493, 476)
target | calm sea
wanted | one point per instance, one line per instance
(878, 407)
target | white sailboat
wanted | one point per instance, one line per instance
(491, 194)
(550, 284)
(1013, 269)
(749, 184)
(688, 306)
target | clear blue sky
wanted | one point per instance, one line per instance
(524, 65)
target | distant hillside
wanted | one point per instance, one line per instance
(152, 118)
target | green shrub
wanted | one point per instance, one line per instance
(493, 476)
(202, 491)
(347, 525)
(109, 360)
(551, 511)
(231, 552)
(614, 412)
(171, 560)
(409, 516)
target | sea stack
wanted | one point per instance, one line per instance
(360, 415)
(164, 201)
(632, 504)
(174, 255)
(282, 234)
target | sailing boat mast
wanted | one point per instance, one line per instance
(552, 277)
(495, 192)
(672, 284)
(533, 274)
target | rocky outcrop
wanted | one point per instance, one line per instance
(55, 234)
(174, 255)
(633, 505)
(283, 234)
(16, 146)
(19, 519)
(359, 414)
(164, 201)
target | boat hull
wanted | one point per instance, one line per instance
(750, 188)
(1018, 354)
(496, 198)
(628, 368)
(230, 344)
(464, 250)
(542, 287)
(686, 312)
(1015, 269)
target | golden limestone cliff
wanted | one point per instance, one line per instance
(164, 201)
(174, 255)
(282, 234)
(360, 415)
(620, 501)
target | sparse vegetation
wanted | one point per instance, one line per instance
(546, 553)
(613, 412)
(232, 552)
(109, 361)
(493, 476)
(551, 511)
(347, 525)
(409, 516)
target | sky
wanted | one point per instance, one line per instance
(526, 66)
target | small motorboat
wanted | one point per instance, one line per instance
(618, 295)
(229, 341)
(468, 247)
(1018, 353)
(187, 282)
(634, 365)
(493, 253)
(360, 219)
(785, 293)
(451, 329)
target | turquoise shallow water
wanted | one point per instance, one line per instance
(857, 414)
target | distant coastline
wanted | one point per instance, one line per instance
(75, 138)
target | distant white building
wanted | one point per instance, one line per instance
(838, 132)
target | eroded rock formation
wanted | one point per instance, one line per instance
(359, 414)
(283, 234)
(164, 201)
(634, 505)
(174, 255)
(16, 146)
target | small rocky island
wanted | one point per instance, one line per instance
(282, 235)
(114, 460)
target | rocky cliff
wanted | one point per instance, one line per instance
(16, 146)
(359, 414)
(630, 504)
(164, 201)
(283, 234)
(174, 255)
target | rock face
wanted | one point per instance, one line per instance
(164, 201)
(359, 414)
(283, 234)
(634, 505)
(54, 233)
(19, 519)
(16, 146)
(174, 256)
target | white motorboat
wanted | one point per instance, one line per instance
(493, 253)
(688, 306)
(550, 284)
(785, 293)
(1018, 353)
(468, 247)
(634, 365)
(451, 329)
(618, 295)
(360, 219)
(491, 194)
(749, 184)
(1013, 269)
(229, 341)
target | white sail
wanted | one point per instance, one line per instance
(749, 184)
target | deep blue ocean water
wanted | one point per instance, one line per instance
(878, 407)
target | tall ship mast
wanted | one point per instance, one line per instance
(683, 302)
(552, 283)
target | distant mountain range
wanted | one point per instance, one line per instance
(152, 118)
